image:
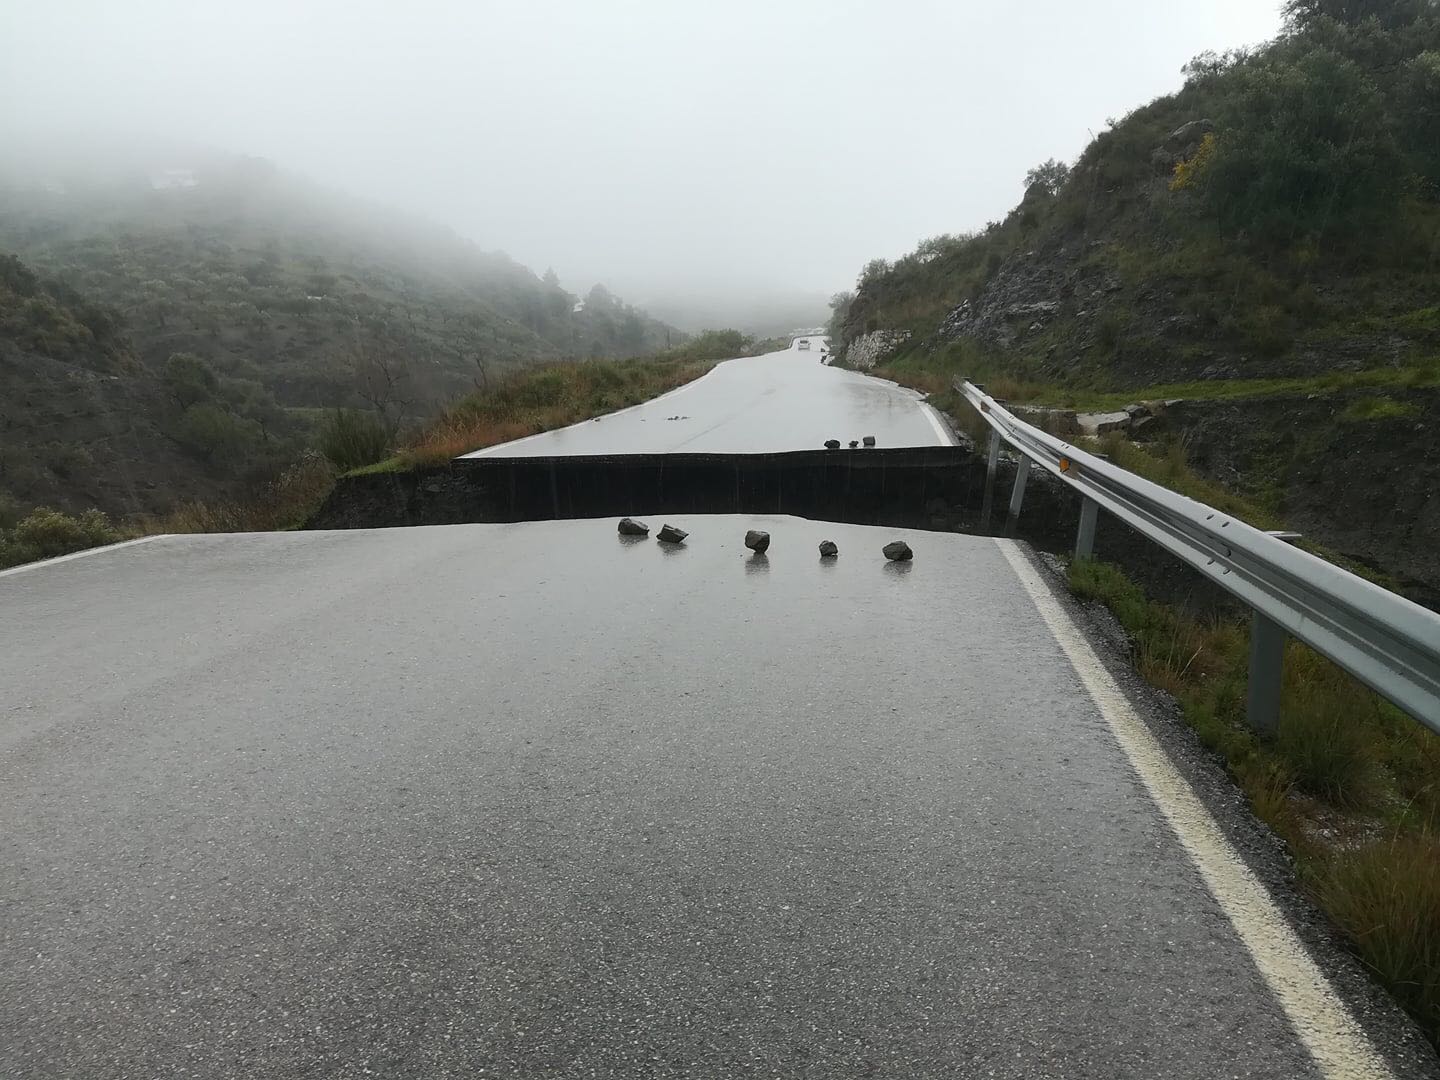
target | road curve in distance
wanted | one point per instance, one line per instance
(787, 400)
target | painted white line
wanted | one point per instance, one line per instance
(946, 439)
(1339, 1047)
(487, 451)
(24, 567)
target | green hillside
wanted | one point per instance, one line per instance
(1276, 217)
(1266, 239)
(173, 328)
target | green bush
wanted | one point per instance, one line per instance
(66, 459)
(714, 345)
(46, 533)
(352, 439)
(1416, 103)
(546, 388)
(54, 533)
(1304, 147)
(188, 379)
(1267, 328)
(212, 432)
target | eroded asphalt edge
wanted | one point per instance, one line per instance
(1391, 1034)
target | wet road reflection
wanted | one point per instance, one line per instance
(757, 404)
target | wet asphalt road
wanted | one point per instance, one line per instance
(345, 804)
(754, 405)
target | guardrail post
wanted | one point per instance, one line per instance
(992, 463)
(1017, 495)
(1267, 659)
(1085, 537)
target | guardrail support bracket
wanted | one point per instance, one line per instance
(1267, 659)
(1017, 495)
(992, 463)
(1085, 537)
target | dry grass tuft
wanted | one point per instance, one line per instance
(1386, 897)
(284, 503)
(542, 399)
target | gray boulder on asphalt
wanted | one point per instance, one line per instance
(869, 440)
(631, 527)
(757, 541)
(832, 444)
(828, 549)
(668, 534)
(898, 551)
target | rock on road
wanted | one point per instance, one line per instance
(341, 804)
(781, 401)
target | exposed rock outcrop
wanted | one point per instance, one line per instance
(869, 349)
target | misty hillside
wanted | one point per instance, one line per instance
(268, 298)
(85, 422)
(1277, 216)
(772, 313)
(1263, 244)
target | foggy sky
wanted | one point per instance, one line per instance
(665, 147)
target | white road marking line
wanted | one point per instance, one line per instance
(1341, 1050)
(80, 554)
(946, 439)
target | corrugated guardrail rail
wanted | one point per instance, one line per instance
(1384, 640)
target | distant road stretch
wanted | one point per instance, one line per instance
(782, 401)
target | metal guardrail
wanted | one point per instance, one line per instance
(1384, 640)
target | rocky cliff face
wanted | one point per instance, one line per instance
(870, 349)
(1077, 307)
(1035, 293)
